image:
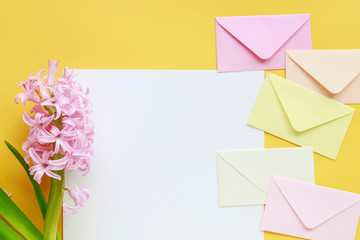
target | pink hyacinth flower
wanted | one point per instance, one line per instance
(80, 196)
(30, 94)
(37, 123)
(44, 165)
(60, 123)
(59, 137)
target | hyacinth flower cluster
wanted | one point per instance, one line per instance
(61, 133)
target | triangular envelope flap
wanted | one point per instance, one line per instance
(263, 35)
(259, 165)
(333, 69)
(314, 204)
(304, 108)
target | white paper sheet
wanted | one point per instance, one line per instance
(154, 176)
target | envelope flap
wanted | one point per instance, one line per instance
(263, 35)
(333, 69)
(259, 165)
(304, 108)
(314, 204)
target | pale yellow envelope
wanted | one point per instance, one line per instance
(333, 73)
(244, 176)
(301, 116)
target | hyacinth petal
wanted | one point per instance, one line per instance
(47, 102)
(58, 111)
(44, 92)
(38, 75)
(46, 156)
(47, 120)
(28, 120)
(44, 78)
(34, 156)
(38, 175)
(59, 162)
(51, 174)
(55, 131)
(22, 96)
(57, 168)
(85, 170)
(53, 67)
(57, 147)
(68, 209)
(26, 159)
(46, 139)
(18, 96)
(69, 121)
(72, 165)
(21, 83)
(38, 109)
(38, 117)
(86, 193)
(27, 144)
(66, 147)
(35, 168)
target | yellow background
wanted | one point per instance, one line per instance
(148, 34)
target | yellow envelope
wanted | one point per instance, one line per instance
(333, 73)
(301, 116)
(244, 175)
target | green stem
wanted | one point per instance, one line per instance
(56, 192)
(54, 204)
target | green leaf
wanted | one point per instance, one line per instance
(39, 195)
(17, 219)
(7, 233)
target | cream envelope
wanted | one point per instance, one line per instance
(299, 115)
(333, 73)
(248, 43)
(310, 211)
(244, 175)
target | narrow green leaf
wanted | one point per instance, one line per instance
(38, 193)
(17, 218)
(7, 233)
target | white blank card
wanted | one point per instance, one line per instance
(154, 176)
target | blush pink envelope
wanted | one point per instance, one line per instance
(310, 211)
(249, 43)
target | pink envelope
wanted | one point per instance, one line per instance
(310, 211)
(249, 43)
